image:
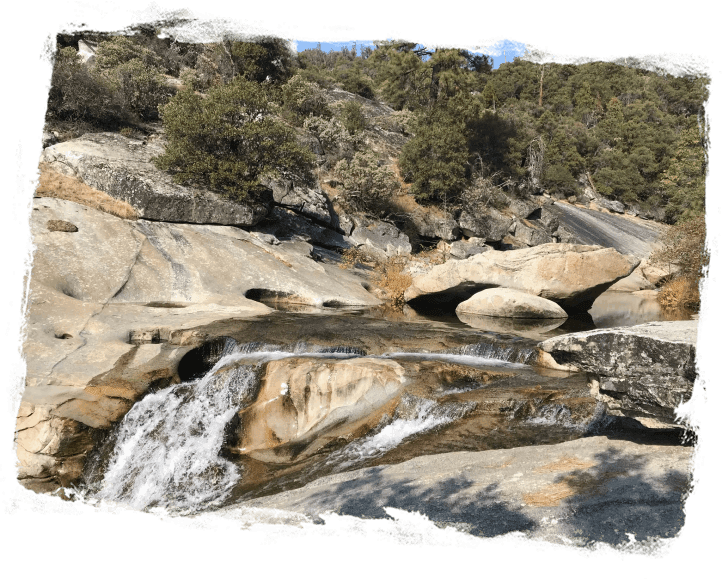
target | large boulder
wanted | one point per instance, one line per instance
(304, 403)
(430, 223)
(122, 167)
(509, 303)
(570, 275)
(378, 238)
(301, 199)
(531, 234)
(644, 372)
(492, 225)
(581, 492)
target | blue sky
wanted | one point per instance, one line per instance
(496, 52)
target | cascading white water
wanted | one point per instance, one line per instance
(414, 416)
(167, 446)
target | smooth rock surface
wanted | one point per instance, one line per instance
(304, 403)
(570, 275)
(510, 303)
(584, 491)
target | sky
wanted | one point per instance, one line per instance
(504, 49)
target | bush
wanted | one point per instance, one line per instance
(76, 93)
(228, 140)
(367, 185)
(389, 276)
(139, 88)
(337, 143)
(302, 99)
(351, 115)
(683, 245)
(122, 49)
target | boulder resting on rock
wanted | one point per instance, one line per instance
(570, 275)
(510, 303)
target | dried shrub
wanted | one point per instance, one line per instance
(681, 293)
(350, 257)
(367, 185)
(390, 277)
(684, 246)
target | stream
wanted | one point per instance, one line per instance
(468, 386)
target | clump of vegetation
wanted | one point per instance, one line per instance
(367, 184)
(351, 257)
(683, 246)
(390, 277)
(302, 99)
(229, 139)
(351, 116)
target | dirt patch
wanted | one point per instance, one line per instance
(54, 184)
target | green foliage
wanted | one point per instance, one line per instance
(264, 60)
(229, 140)
(302, 98)
(367, 184)
(139, 87)
(351, 115)
(436, 158)
(122, 49)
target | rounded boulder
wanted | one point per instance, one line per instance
(510, 303)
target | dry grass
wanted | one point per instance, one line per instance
(680, 293)
(57, 185)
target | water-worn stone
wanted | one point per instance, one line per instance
(305, 403)
(122, 167)
(112, 306)
(644, 371)
(570, 275)
(510, 303)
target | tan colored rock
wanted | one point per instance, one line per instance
(570, 275)
(304, 403)
(510, 303)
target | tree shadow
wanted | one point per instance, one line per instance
(624, 494)
(455, 501)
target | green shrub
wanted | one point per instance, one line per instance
(351, 115)
(367, 184)
(301, 99)
(228, 140)
(122, 49)
(140, 88)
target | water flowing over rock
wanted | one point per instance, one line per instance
(570, 275)
(167, 446)
(509, 303)
(122, 167)
(644, 372)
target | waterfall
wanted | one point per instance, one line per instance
(167, 447)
